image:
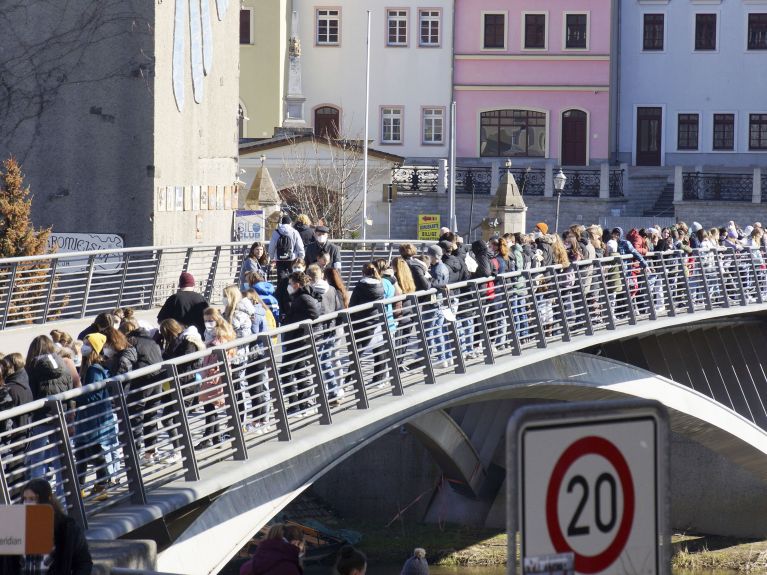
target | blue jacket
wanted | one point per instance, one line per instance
(266, 291)
(626, 248)
(94, 422)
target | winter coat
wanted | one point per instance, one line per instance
(420, 272)
(48, 376)
(415, 566)
(303, 307)
(389, 292)
(544, 244)
(625, 247)
(528, 251)
(482, 257)
(94, 422)
(273, 557)
(306, 233)
(252, 265)
(457, 271)
(327, 296)
(211, 388)
(241, 318)
(367, 290)
(6, 402)
(637, 241)
(18, 388)
(440, 275)
(147, 353)
(186, 307)
(295, 238)
(266, 291)
(314, 249)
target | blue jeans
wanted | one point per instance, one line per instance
(327, 360)
(41, 449)
(438, 334)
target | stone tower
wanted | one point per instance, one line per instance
(507, 205)
(263, 196)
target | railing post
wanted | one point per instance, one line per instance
(604, 181)
(155, 280)
(9, 296)
(49, 291)
(130, 451)
(687, 286)
(460, 362)
(670, 307)
(741, 288)
(322, 392)
(606, 303)
(280, 413)
(87, 291)
(561, 303)
(758, 288)
(632, 316)
(126, 263)
(722, 281)
(187, 259)
(5, 493)
(210, 285)
(487, 344)
(428, 366)
(516, 345)
(68, 467)
(536, 316)
(701, 266)
(354, 366)
(678, 184)
(389, 342)
(584, 298)
(185, 434)
(238, 439)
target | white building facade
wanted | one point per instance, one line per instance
(693, 87)
(411, 47)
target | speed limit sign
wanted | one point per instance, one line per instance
(587, 488)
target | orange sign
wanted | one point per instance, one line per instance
(26, 529)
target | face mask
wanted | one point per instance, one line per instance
(117, 323)
(245, 286)
(107, 351)
(322, 238)
(87, 350)
(210, 325)
(291, 289)
(298, 269)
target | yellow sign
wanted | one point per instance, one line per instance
(428, 227)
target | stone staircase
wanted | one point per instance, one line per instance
(664, 205)
(647, 190)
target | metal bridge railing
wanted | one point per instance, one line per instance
(57, 287)
(215, 405)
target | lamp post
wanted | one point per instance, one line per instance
(559, 185)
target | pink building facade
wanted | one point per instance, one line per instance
(532, 80)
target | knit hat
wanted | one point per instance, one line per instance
(185, 280)
(96, 340)
(696, 226)
(544, 229)
(434, 251)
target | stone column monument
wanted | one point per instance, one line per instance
(507, 206)
(294, 101)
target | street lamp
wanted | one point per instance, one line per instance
(559, 185)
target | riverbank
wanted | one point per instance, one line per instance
(451, 545)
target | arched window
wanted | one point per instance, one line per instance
(327, 120)
(510, 133)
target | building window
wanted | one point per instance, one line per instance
(576, 29)
(396, 31)
(724, 131)
(328, 27)
(246, 32)
(757, 31)
(391, 125)
(429, 21)
(494, 31)
(705, 31)
(327, 120)
(433, 125)
(653, 32)
(757, 132)
(505, 133)
(687, 132)
(535, 31)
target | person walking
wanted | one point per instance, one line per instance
(368, 330)
(330, 302)
(257, 260)
(186, 306)
(304, 228)
(321, 245)
(285, 247)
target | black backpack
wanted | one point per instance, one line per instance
(284, 247)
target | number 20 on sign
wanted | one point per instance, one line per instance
(587, 489)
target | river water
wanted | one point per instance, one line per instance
(434, 570)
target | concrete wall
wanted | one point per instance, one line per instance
(656, 79)
(77, 110)
(262, 66)
(88, 109)
(405, 211)
(398, 470)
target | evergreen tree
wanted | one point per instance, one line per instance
(18, 237)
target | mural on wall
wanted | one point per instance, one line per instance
(200, 44)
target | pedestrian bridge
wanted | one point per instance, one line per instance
(276, 420)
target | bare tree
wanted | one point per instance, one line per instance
(325, 181)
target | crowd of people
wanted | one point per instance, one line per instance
(296, 277)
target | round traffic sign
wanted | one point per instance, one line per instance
(591, 445)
